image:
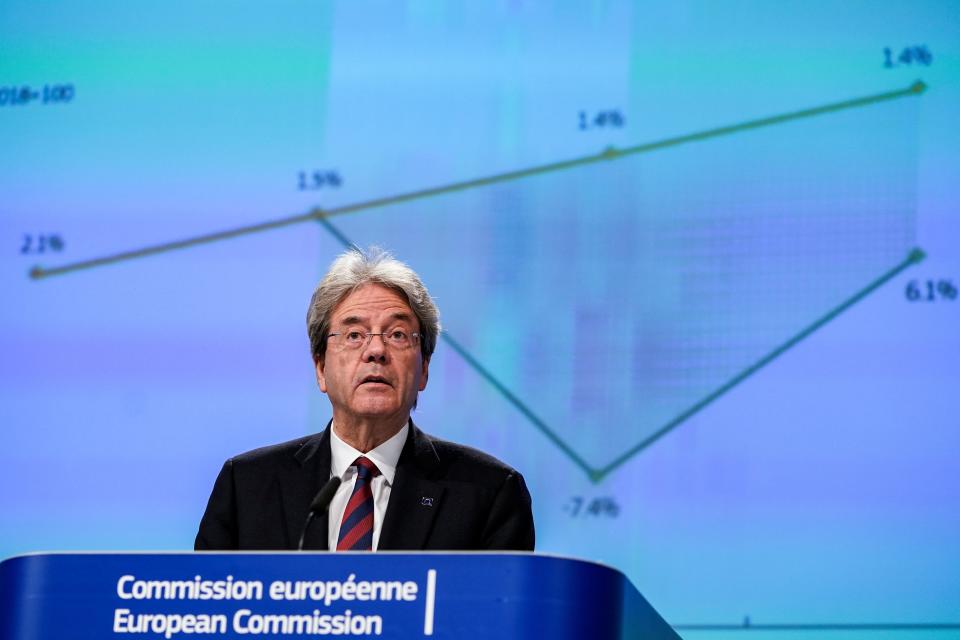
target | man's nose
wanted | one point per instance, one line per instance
(376, 349)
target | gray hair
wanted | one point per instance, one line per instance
(353, 269)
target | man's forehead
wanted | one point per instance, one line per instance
(372, 301)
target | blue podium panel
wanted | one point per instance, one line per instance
(390, 595)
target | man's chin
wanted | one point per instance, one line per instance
(373, 409)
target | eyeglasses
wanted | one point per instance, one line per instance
(398, 339)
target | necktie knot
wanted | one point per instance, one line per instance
(366, 468)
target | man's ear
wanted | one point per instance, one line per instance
(318, 364)
(425, 373)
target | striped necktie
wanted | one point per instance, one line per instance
(356, 528)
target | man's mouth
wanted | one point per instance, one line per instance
(375, 380)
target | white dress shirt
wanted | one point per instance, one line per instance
(342, 457)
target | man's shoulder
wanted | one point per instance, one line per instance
(468, 463)
(464, 453)
(274, 454)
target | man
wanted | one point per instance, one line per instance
(373, 328)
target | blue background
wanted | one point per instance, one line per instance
(608, 300)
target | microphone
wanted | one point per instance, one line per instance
(319, 505)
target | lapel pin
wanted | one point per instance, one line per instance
(426, 502)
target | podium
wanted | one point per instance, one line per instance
(462, 596)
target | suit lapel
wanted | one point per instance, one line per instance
(415, 496)
(299, 483)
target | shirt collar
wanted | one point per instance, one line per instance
(385, 455)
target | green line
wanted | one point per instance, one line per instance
(610, 153)
(914, 257)
(40, 272)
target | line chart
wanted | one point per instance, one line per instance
(594, 473)
(607, 155)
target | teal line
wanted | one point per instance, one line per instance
(596, 475)
(489, 377)
(523, 408)
(914, 257)
(344, 240)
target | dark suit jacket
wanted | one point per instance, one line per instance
(444, 497)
